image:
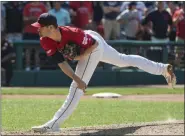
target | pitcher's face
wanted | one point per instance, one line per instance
(44, 31)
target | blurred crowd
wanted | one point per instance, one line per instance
(153, 21)
(113, 20)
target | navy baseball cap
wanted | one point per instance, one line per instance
(45, 19)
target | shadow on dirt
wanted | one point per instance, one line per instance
(113, 132)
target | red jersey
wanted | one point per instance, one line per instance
(76, 4)
(31, 10)
(83, 11)
(82, 17)
(69, 34)
(181, 24)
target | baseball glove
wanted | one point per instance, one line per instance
(71, 50)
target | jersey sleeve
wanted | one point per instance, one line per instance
(48, 46)
(58, 57)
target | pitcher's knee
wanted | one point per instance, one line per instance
(74, 87)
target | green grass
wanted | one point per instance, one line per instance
(22, 114)
(90, 91)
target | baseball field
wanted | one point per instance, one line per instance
(141, 110)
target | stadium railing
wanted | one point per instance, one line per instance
(20, 45)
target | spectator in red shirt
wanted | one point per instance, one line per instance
(172, 8)
(31, 12)
(81, 13)
(179, 21)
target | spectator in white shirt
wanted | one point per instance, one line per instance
(140, 6)
(130, 21)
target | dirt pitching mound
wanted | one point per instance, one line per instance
(172, 127)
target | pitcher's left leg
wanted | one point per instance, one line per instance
(85, 69)
(122, 60)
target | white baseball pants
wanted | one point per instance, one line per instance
(85, 69)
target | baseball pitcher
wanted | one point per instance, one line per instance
(89, 48)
